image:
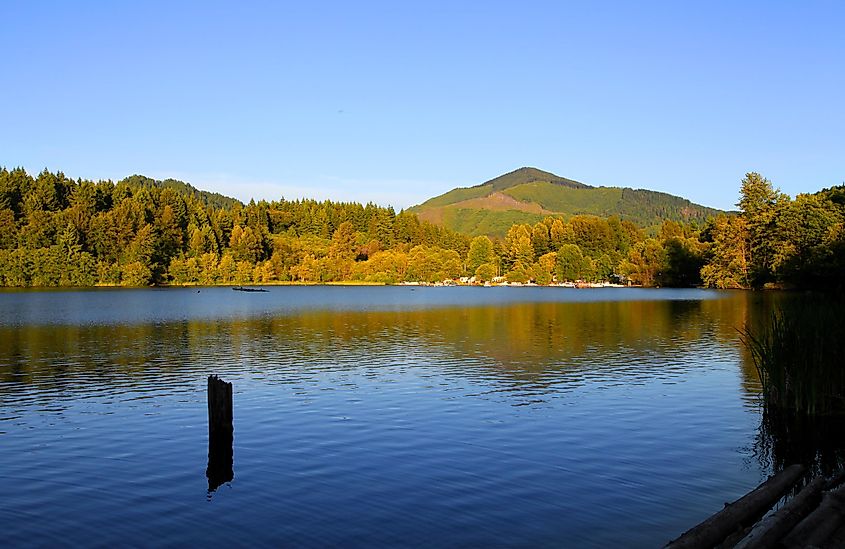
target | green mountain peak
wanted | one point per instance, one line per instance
(525, 175)
(528, 194)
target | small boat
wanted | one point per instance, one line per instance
(242, 289)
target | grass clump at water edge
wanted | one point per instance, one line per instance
(799, 357)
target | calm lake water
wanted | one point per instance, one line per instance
(375, 416)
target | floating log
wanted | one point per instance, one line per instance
(821, 524)
(739, 514)
(220, 433)
(772, 529)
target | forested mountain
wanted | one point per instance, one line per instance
(56, 231)
(527, 195)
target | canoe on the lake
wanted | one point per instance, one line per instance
(242, 289)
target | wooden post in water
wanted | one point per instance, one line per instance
(220, 433)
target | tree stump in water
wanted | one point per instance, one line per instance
(220, 433)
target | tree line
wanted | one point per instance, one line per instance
(56, 231)
(777, 240)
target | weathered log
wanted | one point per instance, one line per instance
(220, 433)
(837, 539)
(734, 538)
(772, 529)
(821, 524)
(835, 480)
(743, 512)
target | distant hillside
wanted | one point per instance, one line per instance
(527, 195)
(208, 198)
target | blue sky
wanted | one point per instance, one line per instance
(396, 102)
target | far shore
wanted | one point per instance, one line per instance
(448, 283)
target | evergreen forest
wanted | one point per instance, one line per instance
(57, 231)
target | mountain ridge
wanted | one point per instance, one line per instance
(528, 194)
(208, 198)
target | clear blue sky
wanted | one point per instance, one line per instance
(396, 102)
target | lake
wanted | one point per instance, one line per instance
(376, 416)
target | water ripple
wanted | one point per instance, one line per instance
(374, 417)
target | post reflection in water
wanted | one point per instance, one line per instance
(387, 421)
(220, 468)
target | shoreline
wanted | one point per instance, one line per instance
(587, 286)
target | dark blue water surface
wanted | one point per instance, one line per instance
(375, 416)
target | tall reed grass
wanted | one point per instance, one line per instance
(800, 356)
